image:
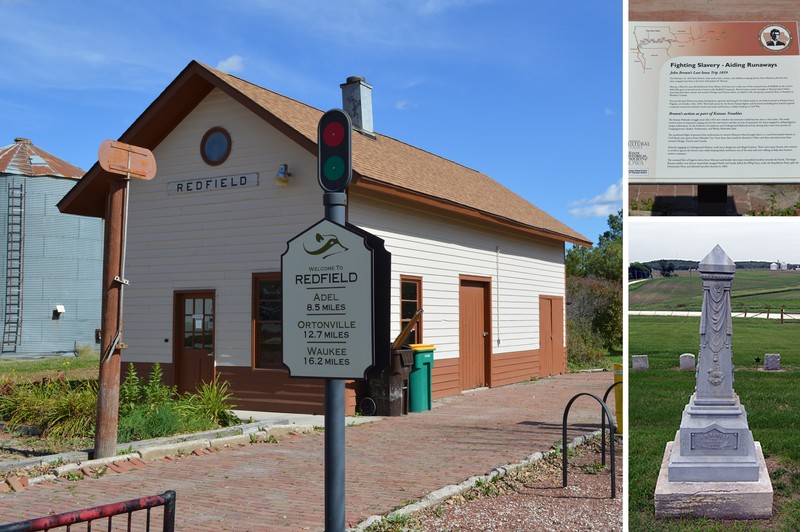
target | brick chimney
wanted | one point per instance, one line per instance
(357, 102)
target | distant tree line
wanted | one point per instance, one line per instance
(594, 296)
(670, 267)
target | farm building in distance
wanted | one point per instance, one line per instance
(50, 278)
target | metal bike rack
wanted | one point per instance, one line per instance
(607, 413)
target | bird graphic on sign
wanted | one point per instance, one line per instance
(330, 242)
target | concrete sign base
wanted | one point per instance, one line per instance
(714, 500)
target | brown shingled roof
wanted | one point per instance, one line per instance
(380, 163)
(25, 159)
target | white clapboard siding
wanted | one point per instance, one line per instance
(215, 239)
(440, 249)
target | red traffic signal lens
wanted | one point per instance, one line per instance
(333, 134)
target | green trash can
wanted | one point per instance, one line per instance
(419, 380)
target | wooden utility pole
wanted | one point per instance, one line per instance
(129, 161)
(105, 439)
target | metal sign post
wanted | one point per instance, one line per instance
(335, 208)
(335, 280)
(334, 159)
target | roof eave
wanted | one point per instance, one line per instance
(180, 97)
(365, 184)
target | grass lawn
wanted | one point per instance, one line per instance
(657, 398)
(752, 290)
(84, 366)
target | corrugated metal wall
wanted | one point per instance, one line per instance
(4, 182)
(63, 266)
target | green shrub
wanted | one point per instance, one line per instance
(155, 393)
(144, 422)
(130, 391)
(73, 413)
(584, 347)
(58, 408)
(63, 410)
(596, 303)
(7, 398)
(133, 392)
(211, 402)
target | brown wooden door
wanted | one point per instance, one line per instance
(474, 333)
(551, 335)
(194, 339)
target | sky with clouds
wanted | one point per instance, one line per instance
(529, 93)
(770, 239)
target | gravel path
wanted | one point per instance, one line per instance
(531, 498)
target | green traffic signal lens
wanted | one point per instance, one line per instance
(333, 168)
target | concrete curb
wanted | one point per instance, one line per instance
(440, 495)
(158, 448)
(63, 470)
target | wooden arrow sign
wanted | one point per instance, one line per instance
(120, 158)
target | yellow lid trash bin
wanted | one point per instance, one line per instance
(419, 380)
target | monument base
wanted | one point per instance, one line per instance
(714, 500)
(714, 443)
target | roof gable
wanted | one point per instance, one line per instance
(380, 164)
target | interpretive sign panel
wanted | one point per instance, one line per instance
(714, 102)
(328, 303)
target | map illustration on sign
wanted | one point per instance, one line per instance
(713, 102)
(328, 322)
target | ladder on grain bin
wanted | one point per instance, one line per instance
(15, 256)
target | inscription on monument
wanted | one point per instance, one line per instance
(716, 440)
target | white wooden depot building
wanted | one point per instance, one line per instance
(205, 239)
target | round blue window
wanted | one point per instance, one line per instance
(215, 146)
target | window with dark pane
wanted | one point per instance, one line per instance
(267, 320)
(410, 302)
(198, 323)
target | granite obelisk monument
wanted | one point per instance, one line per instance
(714, 468)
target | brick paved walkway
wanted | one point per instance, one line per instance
(280, 486)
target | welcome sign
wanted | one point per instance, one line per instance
(328, 321)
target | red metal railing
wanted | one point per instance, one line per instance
(106, 511)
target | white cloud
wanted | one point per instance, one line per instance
(609, 202)
(402, 105)
(231, 65)
(609, 112)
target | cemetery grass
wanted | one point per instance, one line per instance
(657, 398)
(754, 290)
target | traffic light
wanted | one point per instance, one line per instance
(334, 153)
